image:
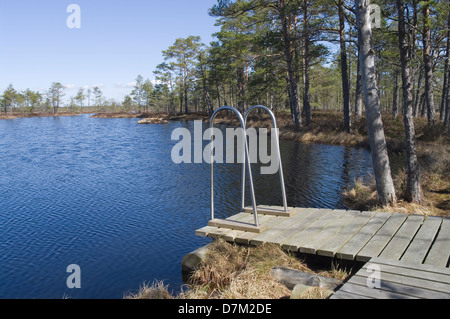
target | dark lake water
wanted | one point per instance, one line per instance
(104, 194)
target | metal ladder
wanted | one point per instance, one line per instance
(246, 165)
(280, 166)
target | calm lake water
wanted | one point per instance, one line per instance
(104, 194)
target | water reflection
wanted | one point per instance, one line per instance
(104, 194)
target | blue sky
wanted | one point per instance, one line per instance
(118, 40)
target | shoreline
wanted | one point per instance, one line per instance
(433, 148)
(14, 116)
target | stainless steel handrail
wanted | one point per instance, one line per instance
(246, 161)
(277, 139)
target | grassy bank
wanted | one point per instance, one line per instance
(240, 272)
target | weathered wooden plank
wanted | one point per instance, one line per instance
(272, 210)
(363, 290)
(398, 245)
(205, 231)
(424, 268)
(244, 217)
(413, 273)
(400, 288)
(400, 276)
(246, 238)
(421, 244)
(237, 225)
(353, 247)
(377, 243)
(332, 246)
(295, 242)
(311, 245)
(347, 296)
(440, 251)
(276, 234)
(232, 235)
(216, 232)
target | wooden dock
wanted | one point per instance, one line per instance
(397, 280)
(348, 235)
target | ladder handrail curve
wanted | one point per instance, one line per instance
(246, 161)
(277, 139)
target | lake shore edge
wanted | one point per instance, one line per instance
(327, 127)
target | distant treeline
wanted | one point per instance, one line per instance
(296, 54)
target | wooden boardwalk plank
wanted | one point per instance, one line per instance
(399, 289)
(381, 238)
(332, 246)
(413, 273)
(246, 238)
(215, 232)
(311, 245)
(353, 247)
(233, 236)
(205, 231)
(272, 210)
(398, 245)
(421, 244)
(398, 280)
(285, 229)
(414, 277)
(295, 242)
(363, 290)
(440, 251)
(428, 269)
(237, 225)
(347, 296)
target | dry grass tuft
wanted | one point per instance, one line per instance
(315, 293)
(237, 272)
(362, 196)
(156, 291)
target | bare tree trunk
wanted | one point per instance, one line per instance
(344, 68)
(396, 95)
(380, 158)
(447, 104)
(447, 108)
(431, 109)
(358, 97)
(306, 82)
(417, 98)
(423, 105)
(241, 89)
(206, 97)
(291, 55)
(413, 189)
(446, 75)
